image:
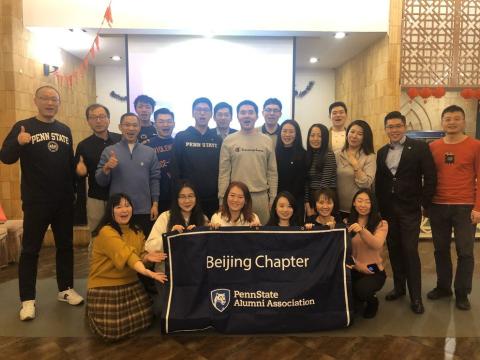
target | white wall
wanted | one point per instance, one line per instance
(313, 107)
(310, 109)
(108, 79)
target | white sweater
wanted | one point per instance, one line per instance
(249, 159)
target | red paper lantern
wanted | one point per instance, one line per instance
(439, 92)
(477, 94)
(425, 93)
(412, 93)
(467, 93)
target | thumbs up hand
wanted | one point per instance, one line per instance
(111, 163)
(81, 167)
(24, 137)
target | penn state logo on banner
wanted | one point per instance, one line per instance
(220, 299)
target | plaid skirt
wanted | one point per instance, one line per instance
(114, 312)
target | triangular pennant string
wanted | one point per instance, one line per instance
(80, 71)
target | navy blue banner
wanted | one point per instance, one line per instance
(239, 280)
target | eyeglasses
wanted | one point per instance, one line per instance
(269, 110)
(49, 99)
(99, 117)
(186, 197)
(200, 109)
(396, 127)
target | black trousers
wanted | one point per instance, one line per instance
(36, 219)
(365, 286)
(402, 242)
(444, 218)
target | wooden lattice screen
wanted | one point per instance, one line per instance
(440, 43)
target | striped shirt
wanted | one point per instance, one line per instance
(326, 177)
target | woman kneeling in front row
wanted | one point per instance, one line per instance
(368, 232)
(117, 304)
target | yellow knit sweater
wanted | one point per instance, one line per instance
(113, 257)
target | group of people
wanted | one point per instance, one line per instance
(145, 182)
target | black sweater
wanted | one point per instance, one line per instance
(46, 162)
(292, 171)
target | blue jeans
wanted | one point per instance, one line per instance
(444, 218)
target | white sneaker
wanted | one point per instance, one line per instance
(70, 296)
(27, 312)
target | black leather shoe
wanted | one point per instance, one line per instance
(394, 295)
(462, 302)
(439, 293)
(417, 307)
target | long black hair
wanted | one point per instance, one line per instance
(109, 219)
(298, 149)
(367, 142)
(374, 217)
(323, 146)
(274, 219)
(176, 218)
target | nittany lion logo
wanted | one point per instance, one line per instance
(220, 299)
(52, 146)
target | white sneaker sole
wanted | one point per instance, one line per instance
(74, 304)
(28, 318)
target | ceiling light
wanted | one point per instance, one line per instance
(313, 60)
(116, 58)
(340, 35)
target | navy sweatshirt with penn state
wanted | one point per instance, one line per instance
(196, 158)
(46, 162)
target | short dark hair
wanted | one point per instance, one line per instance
(337, 104)
(46, 87)
(247, 102)
(395, 115)
(222, 105)
(367, 142)
(164, 111)
(144, 99)
(96, 106)
(202, 100)
(272, 101)
(128, 114)
(453, 108)
(327, 193)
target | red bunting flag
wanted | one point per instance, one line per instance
(97, 43)
(108, 16)
(80, 71)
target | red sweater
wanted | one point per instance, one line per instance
(458, 167)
